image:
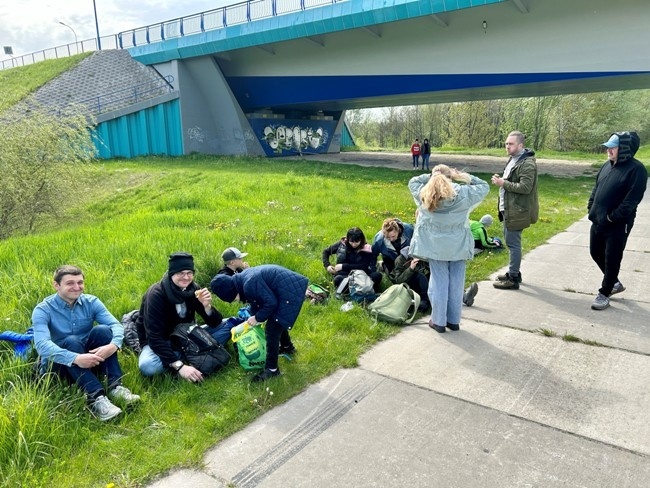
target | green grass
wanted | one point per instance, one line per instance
(135, 213)
(19, 82)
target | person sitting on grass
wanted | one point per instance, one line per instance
(276, 295)
(415, 273)
(479, 232)
(233, 261)
(174, 300)
(394, 236)
(70, 345)
(351, 252)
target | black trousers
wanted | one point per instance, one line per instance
(276, 337)
(606, 246)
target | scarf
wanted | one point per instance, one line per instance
(174, 294)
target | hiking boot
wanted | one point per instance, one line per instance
(103, 409)
(507, 276)
(287, 349)
(601, 302)
(470, 293)
(265, 375)
(508, 284)
(123, 394)
(437, 328)
(618, 288)
(453, 326)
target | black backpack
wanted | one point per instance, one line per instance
(131, 339)
(199, 348)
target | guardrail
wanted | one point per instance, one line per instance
(63, 51)
(215, 19)
(219, 18)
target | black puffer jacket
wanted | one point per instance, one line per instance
(620, 186)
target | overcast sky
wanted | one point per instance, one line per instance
(33, 25)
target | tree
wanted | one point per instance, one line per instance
(41, 156)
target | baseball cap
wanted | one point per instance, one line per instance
(612, 142)
(233, 253)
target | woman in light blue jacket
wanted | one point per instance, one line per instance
(442, 236)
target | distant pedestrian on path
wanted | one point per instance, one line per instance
(518, 205)
(416, 149)
(620, 186)
(426, 154)
(442, 236)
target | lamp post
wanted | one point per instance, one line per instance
(76, 44)
(99, 41)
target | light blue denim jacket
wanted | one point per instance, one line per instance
(53, 320)
(444, 234)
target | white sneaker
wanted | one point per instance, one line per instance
(122, 393)
(104, 409)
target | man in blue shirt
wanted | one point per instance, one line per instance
(70, 345)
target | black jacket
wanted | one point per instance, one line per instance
(158, 319)
(361, 258)
(619, 187)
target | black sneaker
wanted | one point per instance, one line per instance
(508, 284)
(287, 349)
(265, 375)
(507, 277)
(453, 326)
(438, 328)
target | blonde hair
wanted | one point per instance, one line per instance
(440, 186)
(390, 224)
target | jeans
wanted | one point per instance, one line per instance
(425, 161)
(606, 247)
(513, 241)
(276, 336)
(446, 288)
(150, 364)
(416, 160)
(86, 378)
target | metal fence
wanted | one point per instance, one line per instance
(63, 51)
(220, 18)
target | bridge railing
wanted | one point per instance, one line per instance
(63, 51)
(239, 13)
(214, 19)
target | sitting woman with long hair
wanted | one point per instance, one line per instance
(442, 236)
(351, 252)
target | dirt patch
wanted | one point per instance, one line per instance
(472, 164)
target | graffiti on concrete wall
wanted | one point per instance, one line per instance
(291, 137)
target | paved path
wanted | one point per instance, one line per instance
(497, 404)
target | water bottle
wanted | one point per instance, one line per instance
(347, 306)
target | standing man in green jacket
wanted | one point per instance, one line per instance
(518, 204)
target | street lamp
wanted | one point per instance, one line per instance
(76, 44)
(99, 42)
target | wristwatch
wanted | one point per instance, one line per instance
(177, 365)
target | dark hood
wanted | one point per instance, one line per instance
(628, 145)
(224, 287)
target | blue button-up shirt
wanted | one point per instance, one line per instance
(53, 320)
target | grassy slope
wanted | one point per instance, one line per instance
(19, 82)
(138, 212)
